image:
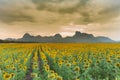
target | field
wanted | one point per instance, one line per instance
(98, 61)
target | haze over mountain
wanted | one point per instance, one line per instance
(77, 37)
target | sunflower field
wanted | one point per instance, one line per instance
(60, 61)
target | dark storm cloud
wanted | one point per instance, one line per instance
(61, 6)
(12, 11)
(89, 10)
(8, 17)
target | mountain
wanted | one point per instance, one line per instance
(77, 38)
(28, 38)
(1, 41)
(10, 39)
(85, 37)
(82, 35)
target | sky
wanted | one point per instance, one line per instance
(48, 17)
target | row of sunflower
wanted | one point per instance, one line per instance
(84, 61)
(35, 67)
(14, 61)
(49, 74)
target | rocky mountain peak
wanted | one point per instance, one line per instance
(57, 36)
(27, 35)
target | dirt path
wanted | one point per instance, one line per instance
(40, 64)
(28, 75)
(30, 70)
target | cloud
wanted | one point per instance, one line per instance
(14, 16)
(61, 6)
(13, 11)
(90, 11)
(63, 11)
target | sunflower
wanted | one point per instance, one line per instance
(24, 68)
(12, 74)
(117, 64)
(51, 71)
(68, 64)
(59, 78)
(51, 76)
(60, 63)
(35, 66)
(47, 68)
(7, 76)
(8, 66)
(77, 69)
(34, 75)
(109, 61)
(14, 68)
(86, 66)
(77, 79)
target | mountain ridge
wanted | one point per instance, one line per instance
(76, 38)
